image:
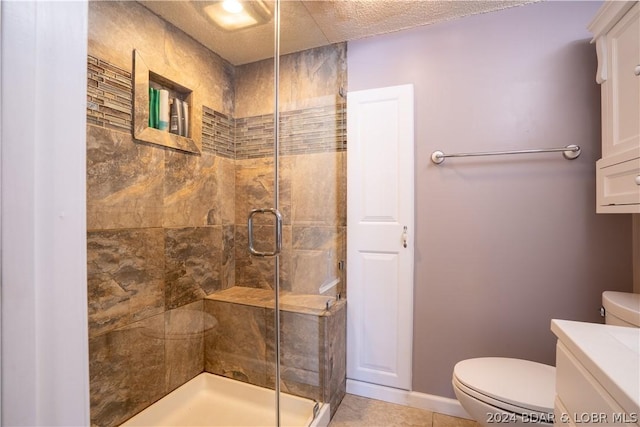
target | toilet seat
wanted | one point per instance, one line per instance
(501, 406)
(514, 385)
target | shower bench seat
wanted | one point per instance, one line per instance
(312, 341)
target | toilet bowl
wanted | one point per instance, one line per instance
(498, 390)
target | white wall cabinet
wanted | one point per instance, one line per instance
(616, 30)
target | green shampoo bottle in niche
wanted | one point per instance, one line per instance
(153, 103)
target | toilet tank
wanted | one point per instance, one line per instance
(621, 308)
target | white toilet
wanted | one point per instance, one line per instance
(497, 390)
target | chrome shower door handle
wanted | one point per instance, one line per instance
(278, 215)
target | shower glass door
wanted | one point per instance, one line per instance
(292, 184)
(258, 188)
(310, 170)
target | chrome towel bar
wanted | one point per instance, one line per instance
(569, 152)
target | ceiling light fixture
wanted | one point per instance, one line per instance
(232, 6)
(232, 15)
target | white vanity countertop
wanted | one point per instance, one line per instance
(610, 353)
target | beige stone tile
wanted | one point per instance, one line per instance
(305, 303)
(286, 259)
(191, 190)
(193, 261)
(254, 89)
(254, 179)
(245, 295)
(112, 37)
(355, 411)
(109, 394)
(312, 77)
(186, 60)
(124, 276)
(441, 420)
(228, 268)
(184, 343)
(318, 196)
(251, 271)
(290, 302)
(285, 167)
(127, 371)
(258, 272)
(301, 337)
(226, 171)
(236, 346)
(124, 181)
(335, 359)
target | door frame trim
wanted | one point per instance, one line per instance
(405, 116)
(45, 364)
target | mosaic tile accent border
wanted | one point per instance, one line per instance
(109, 95)
(311, 130)
(218, 133)
(254, 137)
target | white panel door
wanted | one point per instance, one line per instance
(379, 207)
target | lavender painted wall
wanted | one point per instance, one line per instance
(503, 245)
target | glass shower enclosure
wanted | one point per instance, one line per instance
(217, 251)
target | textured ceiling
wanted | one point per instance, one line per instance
(306, 24)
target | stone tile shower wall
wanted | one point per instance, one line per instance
(312, 169)
(167, 228)
(160, 222)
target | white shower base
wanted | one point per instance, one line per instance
(212, 400)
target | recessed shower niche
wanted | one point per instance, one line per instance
(145, 78)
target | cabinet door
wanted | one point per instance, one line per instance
(621, 125)
(618, 184)
(585, 400)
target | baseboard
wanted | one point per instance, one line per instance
(414, 399)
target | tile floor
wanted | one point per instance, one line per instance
(356, 411)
